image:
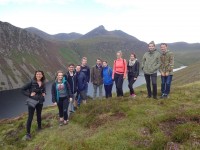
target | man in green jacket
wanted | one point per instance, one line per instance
(150, 66)
(166, 70)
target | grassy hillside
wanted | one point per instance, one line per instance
(124, 123)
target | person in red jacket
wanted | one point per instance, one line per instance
(119, 73)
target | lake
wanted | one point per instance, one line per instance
(12, 102)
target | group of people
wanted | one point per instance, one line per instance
(70, 89)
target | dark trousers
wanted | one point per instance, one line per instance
(119, 84)
(166, 84)
(79, 99)
(31, 111)
(151, 78)
(108, 90)
(63, 105)
(131, 81)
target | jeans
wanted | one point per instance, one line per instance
(166, 84)
(119, 84)
(108, 90)
(131, 81)
(151, 78)
(95, 90)
(63, 105)
(31, 111)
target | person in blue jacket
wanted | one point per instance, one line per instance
(61, 95)
(107, 79)
(82, 84)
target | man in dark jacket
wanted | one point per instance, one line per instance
(97, 78)
(82, 85)
(72, 80)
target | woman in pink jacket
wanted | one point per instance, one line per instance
(119, 73)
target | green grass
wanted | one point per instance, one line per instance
(69, 55)
(118, 124)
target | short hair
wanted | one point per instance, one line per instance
(152, 42)
(84, 58)
(163, 44)
(99, 59)
(134, 54)
(105, 61)
(78, 65)
(71, 65)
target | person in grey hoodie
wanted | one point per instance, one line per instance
(150, 65)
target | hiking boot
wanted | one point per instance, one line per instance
(28, 137)
(148, 97)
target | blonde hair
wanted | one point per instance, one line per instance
(119, 52)
(56, 75)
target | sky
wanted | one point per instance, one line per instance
(159, 20)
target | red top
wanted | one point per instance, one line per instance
(120, 67)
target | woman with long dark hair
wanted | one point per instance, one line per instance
(35, 91)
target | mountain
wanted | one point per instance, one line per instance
(55, 37)
(23, 52)
(183, 46)
(40, 33)
(67, 37)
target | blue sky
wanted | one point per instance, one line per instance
(158, 20)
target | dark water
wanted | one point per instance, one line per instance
(12, 103)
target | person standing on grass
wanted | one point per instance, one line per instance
(119, 73)
(35, 90)
(82, 84)
(86, 70)
(97, 78)
(150, 66)
(72, 80)
(166, 70)
(107, 79)
(133, 68)
(61, 95)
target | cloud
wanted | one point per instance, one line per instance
(60, 2)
